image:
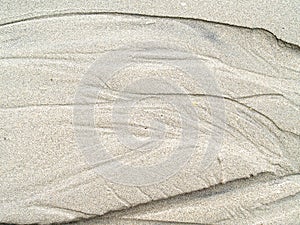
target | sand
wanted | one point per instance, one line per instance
(141, 113)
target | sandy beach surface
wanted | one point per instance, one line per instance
(150, 112)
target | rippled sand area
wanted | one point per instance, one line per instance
(144, 112)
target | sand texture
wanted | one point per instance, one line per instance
(123, 114)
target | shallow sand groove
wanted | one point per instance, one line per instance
(278, 17)
(249, 98)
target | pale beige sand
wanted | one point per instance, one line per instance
(46, 175)
(259, 200)
(278, 16)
